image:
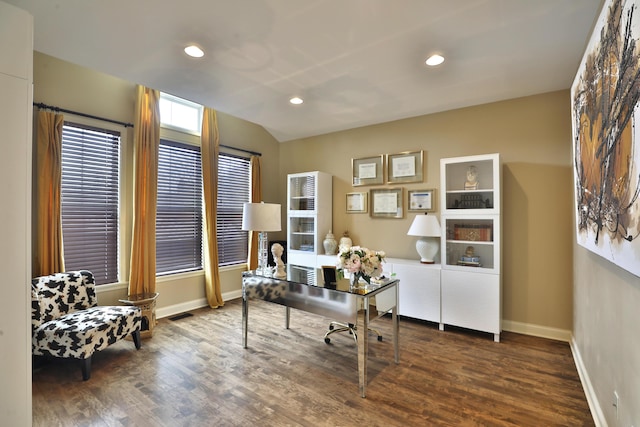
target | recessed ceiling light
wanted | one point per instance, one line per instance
(296, 100)
(194, 51)
(434, 60)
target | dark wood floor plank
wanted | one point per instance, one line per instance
(194, 372)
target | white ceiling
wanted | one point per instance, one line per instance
(355, 62)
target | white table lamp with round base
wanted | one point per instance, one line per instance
(427, 228)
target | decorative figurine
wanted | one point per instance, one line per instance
(469, 252)
(472, 179)
(469, 258)
(277, 250)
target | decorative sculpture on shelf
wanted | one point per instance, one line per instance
(470, 258)
(330, 244)
(472, 179)
(277, 250)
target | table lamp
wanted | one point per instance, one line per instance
(261, 217)
(428, 228)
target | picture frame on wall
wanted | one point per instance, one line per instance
(386, 203)
(607, 206)
(357, 202)
(368, 170)
(405, 167)
(422, 200)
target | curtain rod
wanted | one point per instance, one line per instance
(50, 107)
(255, 153)
(56, 109)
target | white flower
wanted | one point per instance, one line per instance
(361, 261)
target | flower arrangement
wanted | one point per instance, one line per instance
(360, 262)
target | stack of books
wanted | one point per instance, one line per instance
(472, 261)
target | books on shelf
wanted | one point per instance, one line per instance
(473, 232)
(469, 263)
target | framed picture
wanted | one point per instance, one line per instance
(404, 167)
(422, 200)
(606, 133)
(386, 203)
(368, 171)
(329, 273)
(357, 202)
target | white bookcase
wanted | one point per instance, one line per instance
(471, 243)
(309, 211)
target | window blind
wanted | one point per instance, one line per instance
(234, 184)
(90, 200)
(179, 209)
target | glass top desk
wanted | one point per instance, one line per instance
(340, 302)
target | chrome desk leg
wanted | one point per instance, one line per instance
(396, 329)
(245, 315)
(362, 324)
(287, 317)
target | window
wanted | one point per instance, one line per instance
(179, 209)
(180, 114)
(179, 226)
(90, 200)
(234, 179)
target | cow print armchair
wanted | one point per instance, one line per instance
(68, 323)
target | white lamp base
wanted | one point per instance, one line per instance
(427, 248)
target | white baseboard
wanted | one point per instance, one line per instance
(536, 330)
(592, 399)
(192, 305)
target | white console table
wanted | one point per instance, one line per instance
(469, 301)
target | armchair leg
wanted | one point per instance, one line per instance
(136, 338)
(85, 364)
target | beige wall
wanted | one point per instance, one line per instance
(65, 85)
(532, 135)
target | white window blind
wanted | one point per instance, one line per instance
(179, 209)
(90, 178)
(234, 184)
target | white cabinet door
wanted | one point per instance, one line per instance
(309, 212)
(16, 42)
(471, 300)
(16, 56)
(419, 291)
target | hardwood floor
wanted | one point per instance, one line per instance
(194, 372)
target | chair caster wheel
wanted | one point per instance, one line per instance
(379, 337)
(327, 340)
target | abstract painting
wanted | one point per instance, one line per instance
(606, 154)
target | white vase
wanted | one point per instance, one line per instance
(345, 241)
(330, 244)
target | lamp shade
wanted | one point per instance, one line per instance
(261, 217)
(424, 226)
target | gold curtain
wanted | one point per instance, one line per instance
(210, 149)
(142, 274)
(256, 197)
(48, 251)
